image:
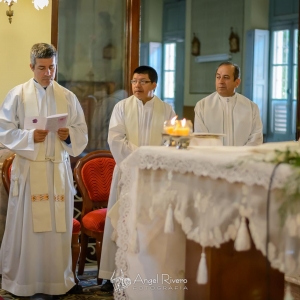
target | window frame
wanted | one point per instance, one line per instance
(289, 135)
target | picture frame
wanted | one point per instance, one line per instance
(234, 42)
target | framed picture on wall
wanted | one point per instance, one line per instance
(234, 42)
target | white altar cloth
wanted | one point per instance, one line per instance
(209, 190)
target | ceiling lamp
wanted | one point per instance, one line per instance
(38, 4)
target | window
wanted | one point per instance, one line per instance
(169, 73)
(284, 81)
(295, 65)
(280, 64)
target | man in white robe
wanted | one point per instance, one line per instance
(228, 112)
(35, 256)
(135, 121)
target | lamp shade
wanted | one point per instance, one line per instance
(9, 1)
(40, 4)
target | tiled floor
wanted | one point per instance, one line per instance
(91, 291)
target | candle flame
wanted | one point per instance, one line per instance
(183, 122)
(173, 120)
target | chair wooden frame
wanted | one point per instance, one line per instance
(87, 206)
(5, 172)
(75, 236)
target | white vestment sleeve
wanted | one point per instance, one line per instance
(119, 146)
(199, 123)
(256, 137)
(77, 126)
(12, 136)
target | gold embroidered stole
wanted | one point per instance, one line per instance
(132, 122)
(41, 212)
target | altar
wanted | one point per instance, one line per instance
(203, 195)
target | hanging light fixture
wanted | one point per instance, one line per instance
(38, 4)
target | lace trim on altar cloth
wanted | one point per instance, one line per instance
(123, 236)
(213, 163)
(208, 215)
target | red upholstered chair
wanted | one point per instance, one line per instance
(6, 172)
(93, 175)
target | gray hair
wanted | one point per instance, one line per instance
(42, 50)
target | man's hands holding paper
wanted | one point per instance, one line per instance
(63, 133)
(39, 135)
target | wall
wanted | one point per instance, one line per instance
(250, 14)
(151, 24)
(28, 26)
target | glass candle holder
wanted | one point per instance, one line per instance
(170, 125)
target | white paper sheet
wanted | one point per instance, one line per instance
(55, 122)
(51, 123)
(35, 122)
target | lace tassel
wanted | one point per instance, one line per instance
(242, 240)
(169, 225)
(134, 245)
(202, 269)
(15, 188)
(288, 294)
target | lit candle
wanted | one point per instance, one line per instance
(184, 131)
(169, 129)
(169, 126)
(181, 128)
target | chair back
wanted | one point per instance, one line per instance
(93, 176)
(6, 171)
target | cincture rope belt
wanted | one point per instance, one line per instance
(52, 159)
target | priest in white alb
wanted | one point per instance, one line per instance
(226, 111)
(35, 255)
(135, 121)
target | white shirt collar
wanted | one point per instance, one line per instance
(38, 86)
(148, 103)
(228, 99)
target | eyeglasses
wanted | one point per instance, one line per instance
(142, 82)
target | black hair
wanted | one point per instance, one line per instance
(147, 70)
